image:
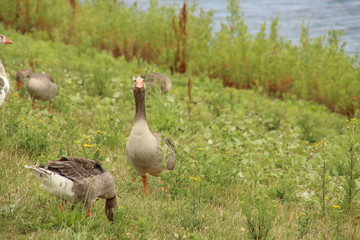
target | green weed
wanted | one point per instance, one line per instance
(351, 190)
(260, 212)
(233, 141)
(180, 39)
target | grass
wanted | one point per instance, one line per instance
(181, 39)
(249, 166)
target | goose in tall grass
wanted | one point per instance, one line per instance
(159, 80)
(40, 86)
(4, 81)
(78, 179)
(145, 150)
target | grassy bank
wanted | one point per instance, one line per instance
(249, 167)
(180, 38)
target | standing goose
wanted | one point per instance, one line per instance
(146, 150)
(159, 80)
(78, 179)
(4, 81)
(40, 86)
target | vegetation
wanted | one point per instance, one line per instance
(249, 166)
(182, 41)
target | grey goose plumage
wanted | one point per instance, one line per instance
(4, 81)
(149, 153)
(78, 179)
(159, 80)
(39, 86)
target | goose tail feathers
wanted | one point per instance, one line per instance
(54, 183)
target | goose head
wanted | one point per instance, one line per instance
(110, 205)
(139, 84)
(4, 40)
(21, 76)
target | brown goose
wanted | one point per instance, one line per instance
(78, 179)
(159, 80)
(146, 150)
(40, 86)
(4, 81)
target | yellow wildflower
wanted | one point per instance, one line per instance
(335, 206)
(201, 149)
(195, 178)
(320, 143)
(16, 95)
(121, 207)
(89, 145)
(353, 120)
(98, 131)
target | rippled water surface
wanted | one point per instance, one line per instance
(319, 15)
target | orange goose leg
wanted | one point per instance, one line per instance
(62, 205)
(145, 187)
(88, 213)
(51, 108)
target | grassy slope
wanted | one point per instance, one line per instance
(235, 144)
(182, 38)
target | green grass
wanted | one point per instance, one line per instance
(245, 161)
(180, 38)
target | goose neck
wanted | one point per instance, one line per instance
(2, 70)
(140, 113)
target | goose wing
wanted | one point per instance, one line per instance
(4, 89)
(171, 158)
(76, 169)
(170, 152)
(44, 77)
(2, 83)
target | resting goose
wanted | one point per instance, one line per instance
(146, 150)
(40, 86)
(4, 81)
(78, 179)
(159, 80)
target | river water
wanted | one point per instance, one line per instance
(319, 15)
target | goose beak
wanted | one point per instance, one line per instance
(18, 85)
(139, 83)
(8, 41)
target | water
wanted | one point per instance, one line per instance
(319, 15)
